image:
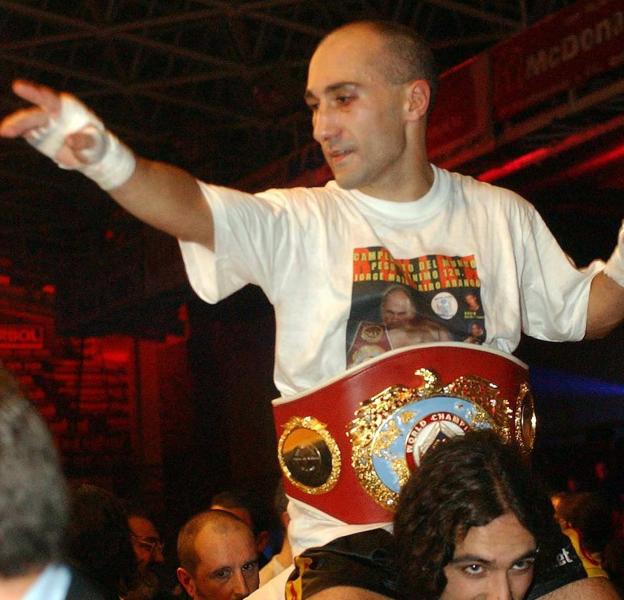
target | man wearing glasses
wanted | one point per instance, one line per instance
(146, 542)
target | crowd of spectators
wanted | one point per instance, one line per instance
(112, 549)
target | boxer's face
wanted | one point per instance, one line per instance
(493, 562)
(397, 310)
(358, 115)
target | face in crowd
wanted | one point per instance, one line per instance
(146, 543)
(470, 520)
(493, 561)
(218, 558)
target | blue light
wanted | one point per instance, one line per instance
(550, 381)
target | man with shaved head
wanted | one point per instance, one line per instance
(324, 255)
(218, 557)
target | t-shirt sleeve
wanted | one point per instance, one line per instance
(248, 228)
(554, 293)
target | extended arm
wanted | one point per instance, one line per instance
(169, 199)
(161, 195)
(605, 310)
(606, 307)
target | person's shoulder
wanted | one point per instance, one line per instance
(483, 189)
(229, 196)
(81, 588)
(486, 195)
(330, 191)
(306, 202)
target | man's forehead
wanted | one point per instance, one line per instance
(221, 534)
(345, 56)
(141, 526)
(224, 548)
(503, 538)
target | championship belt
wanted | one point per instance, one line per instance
(347, 446)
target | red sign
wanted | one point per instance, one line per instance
(460, 113)
(21, 337)
(558, 53)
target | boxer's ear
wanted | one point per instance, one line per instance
(418, 98)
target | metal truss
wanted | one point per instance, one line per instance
(211, 85)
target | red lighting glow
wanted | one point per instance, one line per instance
(596, 162)
(116, 356)
(572, 141)
(517, 164)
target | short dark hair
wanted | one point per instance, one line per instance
(33, 494)
(249, 500)
(465, 482)
(280, 499)
(410, 54)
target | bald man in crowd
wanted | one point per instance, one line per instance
(218, 557)
(245, 505)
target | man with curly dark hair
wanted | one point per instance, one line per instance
(472, 522)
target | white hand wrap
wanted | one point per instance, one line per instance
(108, 162)
(615, 265)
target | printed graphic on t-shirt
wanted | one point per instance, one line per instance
(400, 302)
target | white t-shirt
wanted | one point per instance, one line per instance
(273, 568)
(324, 256)
(299, 246)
